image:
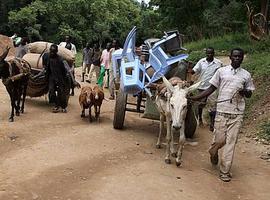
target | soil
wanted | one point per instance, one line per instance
(49, 156)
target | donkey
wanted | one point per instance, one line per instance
(15, 75)
(172, 105)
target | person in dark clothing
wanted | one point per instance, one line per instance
(56, 69)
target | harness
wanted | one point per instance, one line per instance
(221, 101)
(24, 70)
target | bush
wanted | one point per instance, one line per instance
(265, 130)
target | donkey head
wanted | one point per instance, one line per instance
(177, 101)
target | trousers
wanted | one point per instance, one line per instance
(58, 93)
(226, 129)
(92, 69)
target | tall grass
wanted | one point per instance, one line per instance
(78, 59)
(258, 59)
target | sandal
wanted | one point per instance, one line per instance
(225, 177)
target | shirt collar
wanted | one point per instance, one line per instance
(214, 61)
(235, 70)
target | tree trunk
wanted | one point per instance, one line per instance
(264, 11)
(264, 8)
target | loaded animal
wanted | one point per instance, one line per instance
(15, 75)
(98, 99)
(172, 104)
(86, 100)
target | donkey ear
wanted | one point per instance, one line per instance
(193, 87)
(167, 84)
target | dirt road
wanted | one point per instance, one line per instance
(60, 156)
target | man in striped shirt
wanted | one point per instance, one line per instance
(234, 84)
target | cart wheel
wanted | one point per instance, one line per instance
(120, 110)
(190, 123)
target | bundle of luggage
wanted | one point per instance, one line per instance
(39, 87)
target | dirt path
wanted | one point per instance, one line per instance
(60, 156)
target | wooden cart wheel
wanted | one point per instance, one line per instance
(120, 110)
(190, 123)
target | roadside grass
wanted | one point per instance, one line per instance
(224, 44)
(78, 60)
(265, 130)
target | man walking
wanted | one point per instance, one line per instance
(115, 47)
(105, 65)
(87, 60)
(206, 69)
(59, 81)
(234, 84)
(95, 66)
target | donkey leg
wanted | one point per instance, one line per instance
(12, 101)
(161, 127)
(24, 96)
(182, 140)
(168, 140)
(172, 148)
(18, 102)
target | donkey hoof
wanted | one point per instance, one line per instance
(168, 161)
(174, 155)
(22, 111)
(11, 119)
(17, 113)
(178, 163)
(82, 116)
(158, 146)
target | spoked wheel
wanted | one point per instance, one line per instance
(120, 110)
(190, 123)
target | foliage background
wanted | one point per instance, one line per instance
(102, 20)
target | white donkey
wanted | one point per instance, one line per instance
(172, 105)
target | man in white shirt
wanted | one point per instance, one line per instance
(68, 45)
(234, 84)
(105, 66)
(22, 49)
(115, 47)
(206, 68)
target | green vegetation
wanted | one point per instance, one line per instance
(265, 130)
(101, 20)
(78, 60)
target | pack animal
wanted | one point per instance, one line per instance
(86, 100)
(98, 99)
(172, 105)
(15, 76)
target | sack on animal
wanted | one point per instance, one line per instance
(43, 47)
(34, 60)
